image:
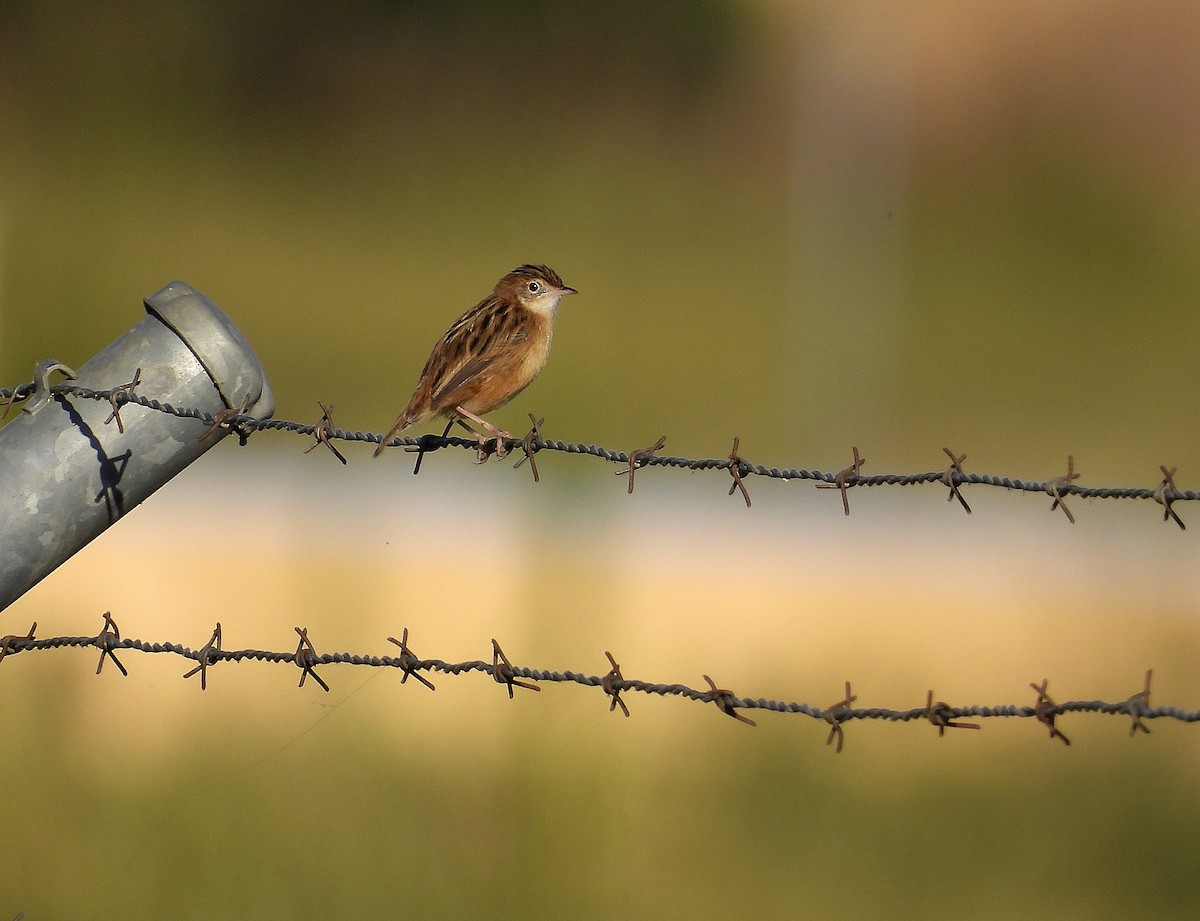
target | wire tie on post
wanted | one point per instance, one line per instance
(948, 478)
(9, 641)
(842, 481)
(735, 471)
(638, 457)
(105, 640)
(531, 444)
(834, 716)
(1137, 704)
(119, 396)
(1164, 495)
(306, 658)
(321, 432)
(724, 698)
(505, 675)
(608, 684)
(1054, 488)
(939, 714)
(408, 661)
(41, 383)
(1043, 709)
(206, 655)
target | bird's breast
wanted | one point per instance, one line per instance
(539, 350)
(512, 372)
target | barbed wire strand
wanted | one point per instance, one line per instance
(613, 684)
(954, 477)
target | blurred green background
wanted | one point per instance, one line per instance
(897, 226)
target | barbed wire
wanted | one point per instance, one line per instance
(613, 683)
(324, 432)
(1044, 710)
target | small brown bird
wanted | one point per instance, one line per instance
(492, 353)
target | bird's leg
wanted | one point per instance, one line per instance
(480, 447)
(500, 434)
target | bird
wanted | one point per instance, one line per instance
(488, 356)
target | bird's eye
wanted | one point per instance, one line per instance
(534, 287)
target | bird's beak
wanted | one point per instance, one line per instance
(566, 289)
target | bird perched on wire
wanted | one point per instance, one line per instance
(490, 354)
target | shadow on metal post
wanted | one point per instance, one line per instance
(69, 469)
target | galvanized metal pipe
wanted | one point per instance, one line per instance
(67, 472)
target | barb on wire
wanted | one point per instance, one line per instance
(1165, 493)
(503, 672)
(950, 479)
(306, 657)
(8, 642)
(321, 432)
(842, 481)
(1138, 703)
(108, 638)
(234, 420)
(640, 457)
(119, 396)
(837, 713)
(529, 445)
(408, 659)
(11, 397)
(425, 444)
(208, 655)
(1046, 710)
(614, 684)
(1055, 488)
(938, 714)
(726, 701)
(609, 684)
(735, 471)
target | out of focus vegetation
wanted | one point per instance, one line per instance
(810, 226)
(898, 226)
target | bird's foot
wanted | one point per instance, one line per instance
(487, 446)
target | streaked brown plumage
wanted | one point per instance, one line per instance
(490, 354)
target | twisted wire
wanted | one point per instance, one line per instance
(1166, 493)
(940, 714)
(614, 684)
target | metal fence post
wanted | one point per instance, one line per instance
(68, 471)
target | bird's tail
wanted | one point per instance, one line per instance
(402, 422)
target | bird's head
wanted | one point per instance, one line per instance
(536, 287)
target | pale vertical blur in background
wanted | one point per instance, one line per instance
(896, 226)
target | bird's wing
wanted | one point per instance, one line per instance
(473, 346)
(448, 394)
